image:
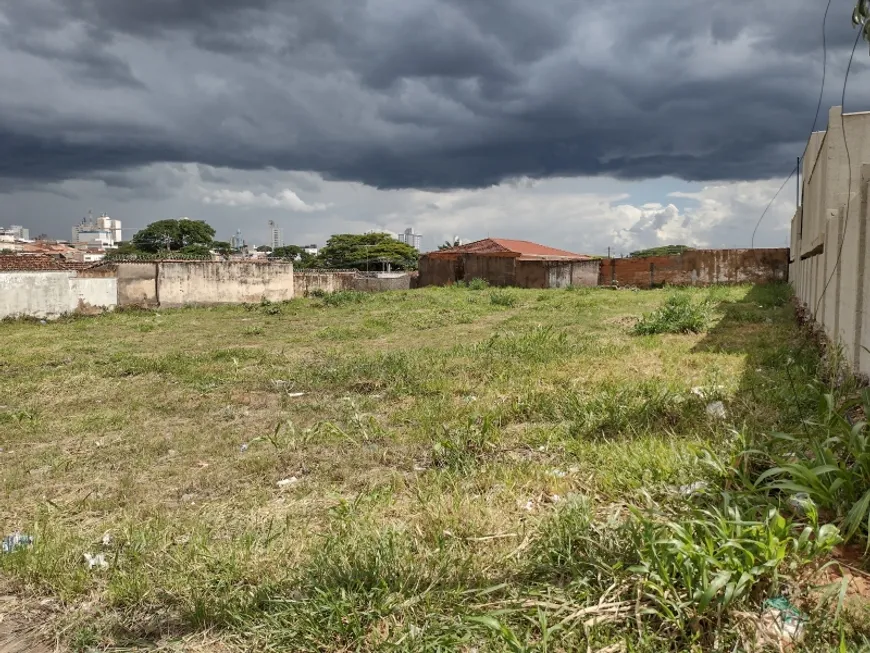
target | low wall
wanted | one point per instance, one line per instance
(137, 284)
(185, 283)
(698, 267)
(52, 294)
(308, 281)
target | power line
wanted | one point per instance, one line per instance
(824, 65)
(815, 118)
(769, 204)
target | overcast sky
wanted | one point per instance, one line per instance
(576, 123)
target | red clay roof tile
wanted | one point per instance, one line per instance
(525, 249)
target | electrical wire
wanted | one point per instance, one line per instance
(769, 204)
(824, 65)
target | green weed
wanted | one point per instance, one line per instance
(679, 314)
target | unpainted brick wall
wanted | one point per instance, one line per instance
(699, 267)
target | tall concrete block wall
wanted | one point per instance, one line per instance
(137, 284)
(831, 236)
(52, 294)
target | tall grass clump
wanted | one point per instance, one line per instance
(502, 298)
(343, 297)
(679, 314)
(478, 284)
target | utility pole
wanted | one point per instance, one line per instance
(608, 252)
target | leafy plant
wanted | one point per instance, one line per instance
(679, 314)
(478, 284)
(502, 298)
(715, 558)
(829, 462)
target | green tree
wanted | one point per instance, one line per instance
(173, 235)
(222, 247)
(264, 248)
(861, 18)
(372, 251)
(196, 250)
(296, 254)
(122, 250)
(664, 250)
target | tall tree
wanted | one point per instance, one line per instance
(372, 251)
(173, 235)
(861, 18)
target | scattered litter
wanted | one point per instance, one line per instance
(107, 539)
(717, 410)
(530, 505)
(98, 444)
(781, 622)
(243, 448)
(288, 481)
(188, 498)
(279, 383)
(470, 398)
(43, 322)
(202, 464)
(16, 541)
(172, 452)
(98, 561)
(294, 395)
(419, 468)
(574, 469)
(542, 448)
(558, 473)
(800, 502)
(693, 488)
(555, 498)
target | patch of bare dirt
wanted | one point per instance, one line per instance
(19, 628)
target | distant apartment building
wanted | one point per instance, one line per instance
(313, 250)
(102, 233)
(410, 238)
(237, 242)
(19, 232)
(277, 236)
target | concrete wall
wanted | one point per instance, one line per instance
(574, 273)
(184, 283)
(699, 267)
(831, 239)
(137, 284)
(52, 294)
(307, 281)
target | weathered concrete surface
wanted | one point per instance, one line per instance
(500, 269)
(830, 236)
(52, 294)
(137, 284)
(185, 283)
(575, 273)
(699, 267)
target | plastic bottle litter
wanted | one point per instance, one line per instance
(96, 561)
(717, 410)
(781, 621)
(15, 541)
(800, 502)
(693, 488)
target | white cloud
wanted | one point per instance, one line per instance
(284, 199)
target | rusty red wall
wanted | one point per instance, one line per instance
(701, 267)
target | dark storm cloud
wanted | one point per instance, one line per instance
(423, 93)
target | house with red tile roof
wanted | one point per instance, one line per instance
(507, 262)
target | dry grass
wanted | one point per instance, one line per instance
(438, 431)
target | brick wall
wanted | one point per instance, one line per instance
(699, 267)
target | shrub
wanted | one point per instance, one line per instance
(677, 315)
(345, 297)
(478, 284)
(503, 298)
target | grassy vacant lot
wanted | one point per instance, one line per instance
(467, 470)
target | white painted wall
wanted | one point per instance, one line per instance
(52, 294)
